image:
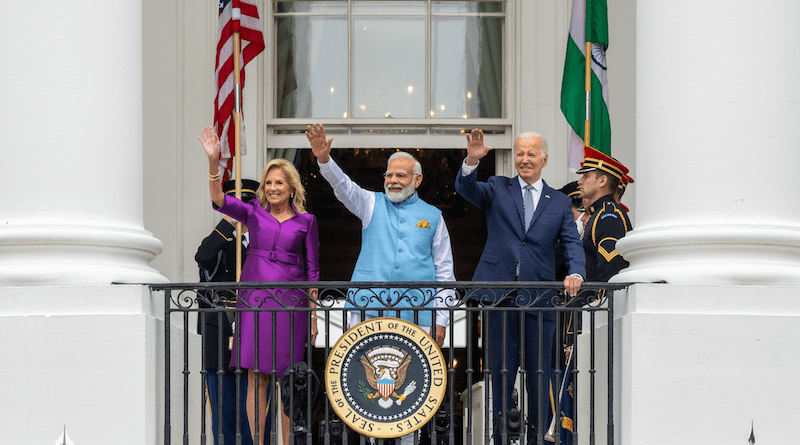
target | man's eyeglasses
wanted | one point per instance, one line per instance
(398, 175)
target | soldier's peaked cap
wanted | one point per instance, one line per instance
(249, 188)
(597, 160)
(625, 181)
(572, 191)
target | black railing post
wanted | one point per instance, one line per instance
(503, 427)
(574, 378)
(201, 317)
(523, 373)
(488, 409)
(558, 347)
(610, 395)
(220, 437)
(167, 358)
(592, 372)
(186, 373)
(237, 346)
(469, 373)
(540, 387)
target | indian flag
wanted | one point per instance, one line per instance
(589, 23)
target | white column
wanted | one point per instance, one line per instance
(718, 143)
(71, 113)
(77, 351)
(707, 355)
(696, 364)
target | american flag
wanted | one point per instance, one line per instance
(242, 16)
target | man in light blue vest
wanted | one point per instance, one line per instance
(403, 239)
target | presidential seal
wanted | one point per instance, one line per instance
(385, 377)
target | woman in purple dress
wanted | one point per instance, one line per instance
(284, 246)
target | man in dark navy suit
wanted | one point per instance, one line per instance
(525, 219)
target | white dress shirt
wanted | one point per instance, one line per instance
(536, 191)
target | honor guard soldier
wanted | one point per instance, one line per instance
(601, 177)
(572, 192)
(216, 258)
(569, 324)
(621, 191)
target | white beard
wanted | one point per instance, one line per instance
(400, 196)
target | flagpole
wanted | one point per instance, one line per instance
(587, 124)
(237, 141)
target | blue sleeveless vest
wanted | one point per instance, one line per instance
(397, 246)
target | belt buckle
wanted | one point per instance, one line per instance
(225, 302)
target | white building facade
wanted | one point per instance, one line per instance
(100, 112)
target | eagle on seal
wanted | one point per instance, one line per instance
(385, 368)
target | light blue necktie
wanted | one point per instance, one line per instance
(527, 202)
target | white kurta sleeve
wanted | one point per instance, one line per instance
(443, 263)
(358, 201)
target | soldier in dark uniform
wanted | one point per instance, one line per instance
(585, 215)
(572, 192)
(601, 176)
(568, 326)
(216, 258)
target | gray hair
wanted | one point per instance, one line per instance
(532, 135)
(403, 154)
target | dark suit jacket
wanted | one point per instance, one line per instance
(216, 258)
(508, 243)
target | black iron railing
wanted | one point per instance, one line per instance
(470, 335)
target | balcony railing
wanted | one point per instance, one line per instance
(479, 313)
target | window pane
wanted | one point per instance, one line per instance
(405, 131)
(467, 6)
(467, 67)
(339, 6)
(389, 67)
(389, 59)
(390, 6)
(311, 67)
